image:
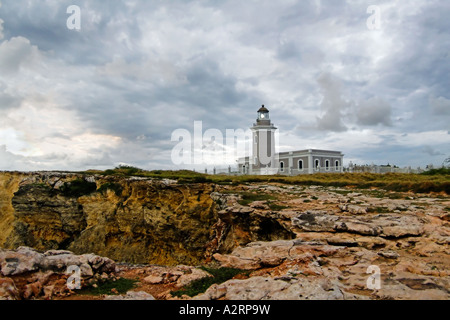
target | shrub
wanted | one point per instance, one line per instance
(195, 179)
(439, 171)
(127, 170)
(122, 285)
(78, 188)
(248, 197)
(276, 207)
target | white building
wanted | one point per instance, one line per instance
(265, 160)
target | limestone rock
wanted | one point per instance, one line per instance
(132, 295)
(179, 275)
(20, 261)
(188, 277)
(353, 209)
(269, 254)
(40, 267)
(263, 288)
(153, 279)
(383, 225)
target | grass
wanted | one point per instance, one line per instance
(436, 180)
(219, 275)
(439, 171)
(276, 207)
(377, 209)
(248, 197)
(122, 285)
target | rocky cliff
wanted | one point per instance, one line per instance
(135, 220)
(294, 242)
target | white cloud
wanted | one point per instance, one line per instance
(141, 69)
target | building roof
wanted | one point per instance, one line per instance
(263, 109)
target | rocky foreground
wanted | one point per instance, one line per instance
(294, 242)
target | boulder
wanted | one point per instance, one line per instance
(19, 261)
(40, 267)
(153, 279)
(23, 260)
(267, 288)
(262, 254)
(179, 275)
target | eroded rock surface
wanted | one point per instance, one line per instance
(294, 242)
(26, 273)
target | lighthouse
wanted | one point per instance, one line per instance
(263, 159)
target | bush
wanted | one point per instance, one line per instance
(122, 285)
(127, 170)
(78, 188)
(248, 197)
(439, 171)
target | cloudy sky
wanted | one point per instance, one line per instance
(332, 74)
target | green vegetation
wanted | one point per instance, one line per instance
(121, 286)
(377, 209)
(78, 188)
(276, 207)
(248, 197)
(436, 180)
(201, 285)
(440, 171)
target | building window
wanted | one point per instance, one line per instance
(300, 164)
(327, 165)
(281, 166)
(317, 164)
(337, 165)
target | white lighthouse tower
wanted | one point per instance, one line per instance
(264, 158)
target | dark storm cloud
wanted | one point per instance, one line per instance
(137, 70)
(374, 111)
(430, 151)
(333, 104)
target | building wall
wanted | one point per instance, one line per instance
(305, 162)
(310, 160)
